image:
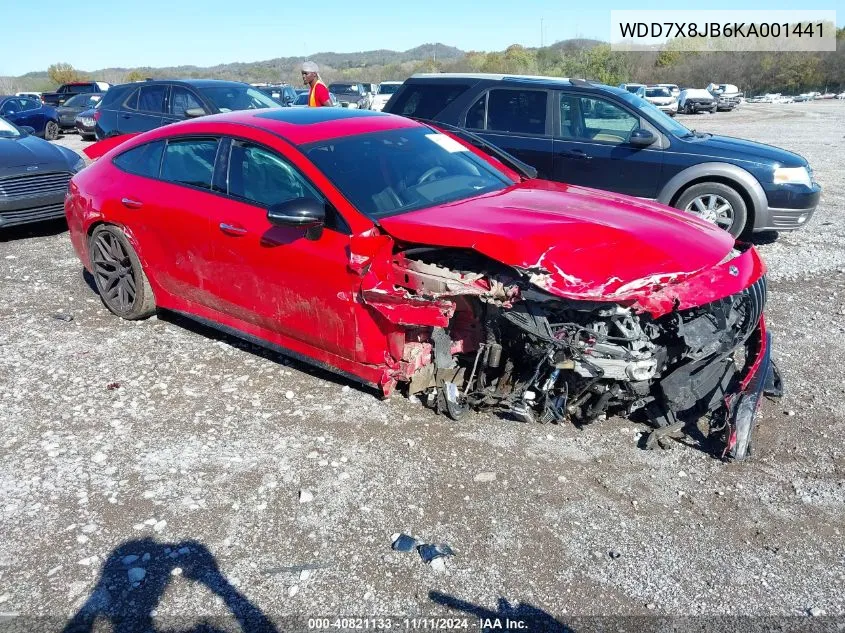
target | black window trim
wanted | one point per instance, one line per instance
(221, 166)
(138, 91)
(229, 140)
(550, 110)
(662, 144)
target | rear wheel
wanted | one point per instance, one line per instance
(716, 203)
(51, 132)
(121, 281)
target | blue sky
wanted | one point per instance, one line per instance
(96, 34)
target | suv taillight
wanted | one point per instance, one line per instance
(97, 114)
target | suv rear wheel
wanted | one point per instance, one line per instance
(717, 203)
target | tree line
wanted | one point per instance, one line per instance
(753, 72)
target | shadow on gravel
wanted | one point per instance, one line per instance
(258, 350)
(764, 237)
(525, 617)
(47, 228)
(136, 575)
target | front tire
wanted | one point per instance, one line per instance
(121, 281)
(51, 131)
(717, 203)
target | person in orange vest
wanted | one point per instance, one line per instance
(319, 93)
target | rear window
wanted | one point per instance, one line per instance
(425, 101)
(79, 88)
(143, 160)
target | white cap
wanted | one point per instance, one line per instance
(310, 67)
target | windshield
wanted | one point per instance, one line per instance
(388, 89)
(7, 130)
(344, 88)
(657, 92)
(632, 88)
(668, 124)
(393, 172)
(78, 101)
(228, 98)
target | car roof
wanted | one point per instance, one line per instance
(197, 83)
(491, 77)
(299, 126)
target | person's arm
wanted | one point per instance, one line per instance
(321, 95)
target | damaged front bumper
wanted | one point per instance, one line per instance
(760, 377)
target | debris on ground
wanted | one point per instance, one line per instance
(431, 554)
(61, 316)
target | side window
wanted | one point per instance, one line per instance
(426, 101)
(476, 114)
(132, 102)
(29, 104)
(182, 99)
(189, 161)
(520, 111)
(151, 98)
(263, 177)
(143, 160)
(10, 107)
(591, 119)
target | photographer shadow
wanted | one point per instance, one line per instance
(134, 578)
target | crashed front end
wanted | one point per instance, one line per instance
(674, 350)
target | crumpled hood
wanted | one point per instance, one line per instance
(574, 242)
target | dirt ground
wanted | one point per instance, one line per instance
(180, 447)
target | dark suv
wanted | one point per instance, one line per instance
(590, 134)
(145, 105)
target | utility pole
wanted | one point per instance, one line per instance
(541, 32)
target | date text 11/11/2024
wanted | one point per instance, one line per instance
(417, 624)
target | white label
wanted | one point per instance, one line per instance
(446, 142)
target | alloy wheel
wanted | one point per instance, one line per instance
(712, 208)
(114, 272)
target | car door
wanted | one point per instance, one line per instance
(279, 279)
(518, 121)
(181, 99)
(11, 111)
(142, 110)
(591, 146)
(166, 197)
(31, 114)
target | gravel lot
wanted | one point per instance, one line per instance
(166, 439)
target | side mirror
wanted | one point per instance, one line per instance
(305, 213)
(641, 138)
(193, 113)
(28, 129)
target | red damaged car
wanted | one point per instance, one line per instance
(398, 254)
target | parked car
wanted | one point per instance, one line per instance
(695, 100)
(662, 99)
(302, 100)
(283, 94)
(85, 123)
(386, 89)
(673, 89)
(29, 112)
(73, 106)
(350, 95)
(727, 96)
(588, 134)
(34, 176)
(434, 266)
(34, 95)
(141, 106)
(66, 91)
(637, 89)
(841, 96)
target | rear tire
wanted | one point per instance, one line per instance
(708, 199)
(51, 131)
(121, 281)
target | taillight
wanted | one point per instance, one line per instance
(97, 114)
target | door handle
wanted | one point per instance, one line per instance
(125, 116)
(232, 229)
(578, 153)
(129, 203)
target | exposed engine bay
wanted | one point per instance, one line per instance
(510, 346)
